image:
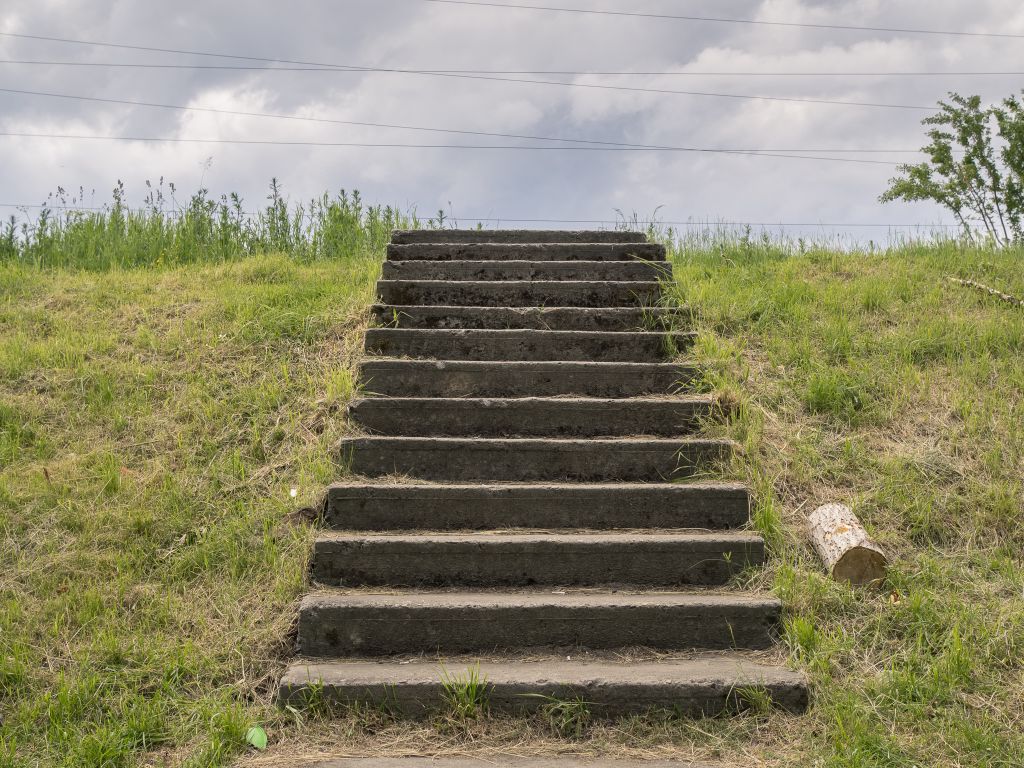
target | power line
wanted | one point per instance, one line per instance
(787, 154)
(721, 20)
(691, 223)
(566, 72)
(333, 121)
(488, 78)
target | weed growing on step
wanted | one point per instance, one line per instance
(466, 694)
(567, 718)
(310, 704)
(372, 716)
(756, 700)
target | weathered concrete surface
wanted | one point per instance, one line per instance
(540, 318)
(527, 460)
(380, 507)
(520, 293)
(544, 236)
(485, 344)
(526, 270)
(514, 560)
(504, 252)
(699, 686)
(530, 416)
(335, 624)
(542, 342)
(514, 378)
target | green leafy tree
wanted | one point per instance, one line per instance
(975, 167)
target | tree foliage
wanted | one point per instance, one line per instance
(975, 167)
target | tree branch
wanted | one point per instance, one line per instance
(992, 291)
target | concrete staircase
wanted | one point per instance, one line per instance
(520, 501)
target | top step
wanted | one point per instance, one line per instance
(407, 237)
(526, 252)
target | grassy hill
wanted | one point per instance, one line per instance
(168, 409)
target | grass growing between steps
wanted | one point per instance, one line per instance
(154, 420)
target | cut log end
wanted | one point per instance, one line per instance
(860, 565)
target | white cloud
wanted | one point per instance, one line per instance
(407, 33)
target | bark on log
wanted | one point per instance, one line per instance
(844, 545)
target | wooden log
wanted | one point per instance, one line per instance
(845, 547)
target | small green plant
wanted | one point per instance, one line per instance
(754, 699)
(467, 695)
(372, 715)
(311, 702)
(568, 718)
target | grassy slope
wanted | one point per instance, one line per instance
(152, 426)
(153, 422)
(874, 381)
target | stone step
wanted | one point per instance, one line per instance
(530, 416)
(364, 506)
(700, 686)
(491, 761)
(525, 559)
(520, 293)
(543, 252)
(485, 344)
(546, 236)
(540, 318)
(335, 623)
(529, 460)
(515, 378)
(526, 270)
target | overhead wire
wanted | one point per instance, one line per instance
(307, 118)
(488, 78)
(788, 154)
(724, 20)
(565, 72)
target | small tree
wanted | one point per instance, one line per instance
(977, 176)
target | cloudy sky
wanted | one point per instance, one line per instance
(566, 181)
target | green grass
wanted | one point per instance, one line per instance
(156, 413)
(568, 718)
(153, 423)
(466, 694)
(201, 230)
(868, 378)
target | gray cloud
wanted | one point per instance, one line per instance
(571, 185)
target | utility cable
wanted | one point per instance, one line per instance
(489, 78)
(722, 20)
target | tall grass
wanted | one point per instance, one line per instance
(64, 234)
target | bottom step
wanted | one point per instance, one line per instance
(701, 686)
(496, 761)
